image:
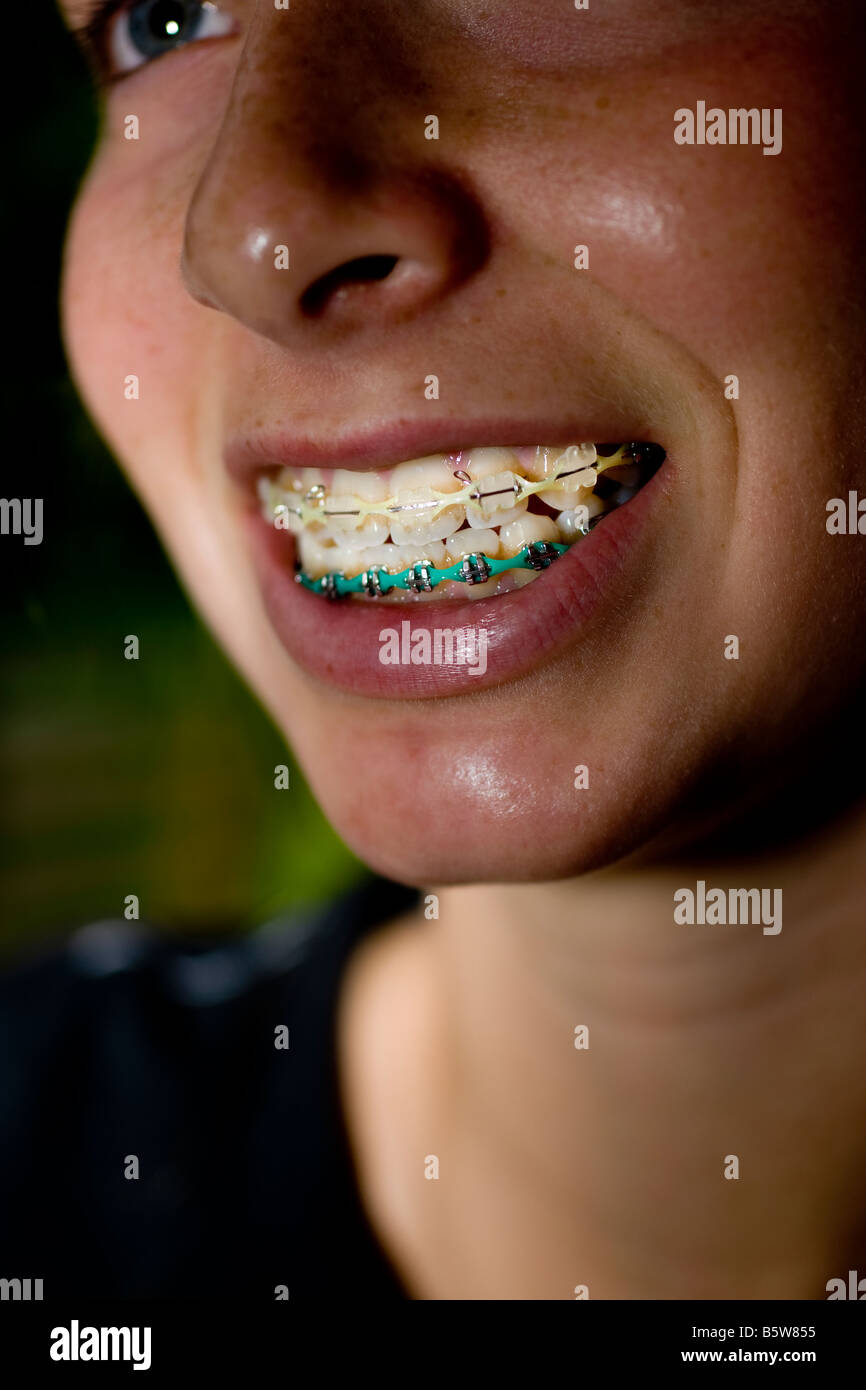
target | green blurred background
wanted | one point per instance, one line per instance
(152, 777)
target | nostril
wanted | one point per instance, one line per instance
(363, 270)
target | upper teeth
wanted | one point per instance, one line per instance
(429, 487)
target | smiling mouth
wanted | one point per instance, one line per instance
(475, 523)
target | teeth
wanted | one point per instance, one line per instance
(291, 481)
(567, 501)
(341, 516)
(433, 472)
(286, 519)
(355, 532)
(587, 478)
(580, 456)
(370, 487)
(525, 530)
(415, 486)
(496, 468)
(402, 556)
(420, 522)
(486, 590)
(540, 462)
(352, 562)
(424, 499)
(570, 489)
(278, 507)
(498, 506)
(485, 463)
(574, 522)
(503, 500)
(516, 579)
(546, 461)
(355, 562)
(574, 490)
(472, 542)
(315, 557)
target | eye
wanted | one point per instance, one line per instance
(146, 29)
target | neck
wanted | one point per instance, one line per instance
(705, 1137)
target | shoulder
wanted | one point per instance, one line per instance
(156, 1136)
(105, 959)
(123, 1019)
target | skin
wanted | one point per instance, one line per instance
(556, 127)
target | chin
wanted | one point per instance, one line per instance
(451, 804)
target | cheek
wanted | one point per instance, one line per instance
(726, 249)
(126, 312)
(124, 317)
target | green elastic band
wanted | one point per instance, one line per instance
(343, 587)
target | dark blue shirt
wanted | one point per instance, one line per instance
(131, 1044)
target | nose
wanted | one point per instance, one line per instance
(322, 208)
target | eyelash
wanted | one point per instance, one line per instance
(97, 34)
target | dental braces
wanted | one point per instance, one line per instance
(312, 506)
(423, 576)
(475, 568)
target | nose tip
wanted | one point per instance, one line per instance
(316, 265)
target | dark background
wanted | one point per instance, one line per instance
(155, 776)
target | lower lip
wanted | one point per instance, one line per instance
(339, 642)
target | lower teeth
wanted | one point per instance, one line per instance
(483, 573)
(423, 577)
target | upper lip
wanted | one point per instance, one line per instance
(248, 456)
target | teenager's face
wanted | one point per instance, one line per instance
(721, 316)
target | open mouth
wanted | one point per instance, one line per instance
(475, 523)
